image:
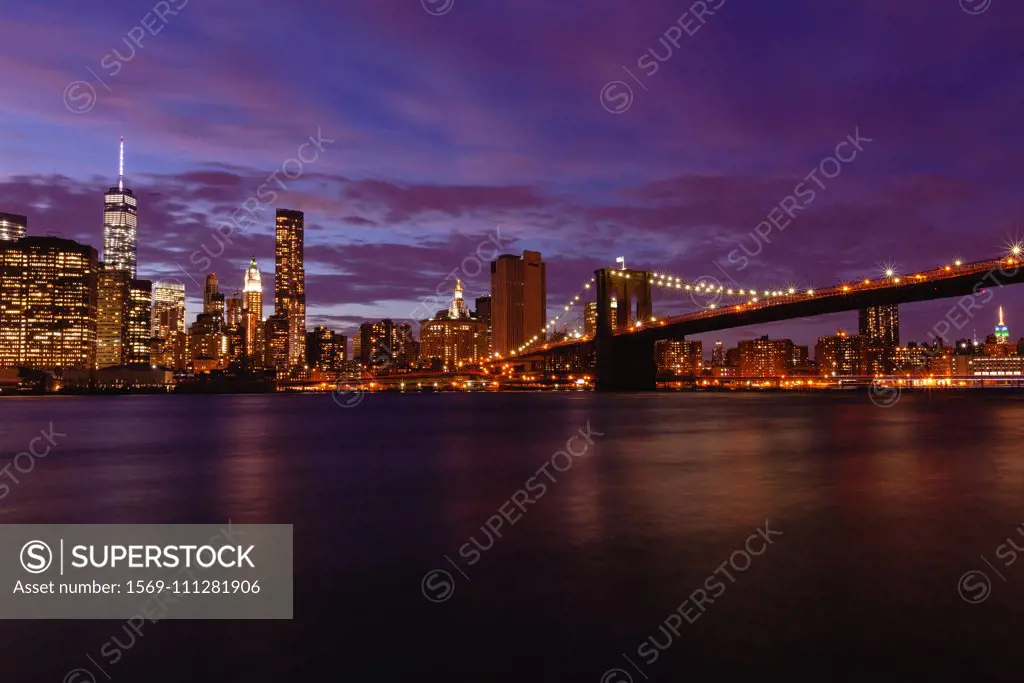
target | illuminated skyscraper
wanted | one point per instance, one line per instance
(881, 324)
(275, 347)
(120, 225)
(386, 346)
(718, 354)
(518, 300)
(290, 281)
(168, 309)
(124, 319)
(880, 332)
(138, 323)
(252, 304)
(112, 313)
(47, 303)
(1002, 332)
(12, 227)
(590, 318)
(325, 349)
(233, 309)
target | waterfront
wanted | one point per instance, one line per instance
(881, 511)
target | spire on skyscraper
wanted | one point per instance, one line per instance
(120, 167)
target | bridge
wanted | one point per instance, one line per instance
(626, 330)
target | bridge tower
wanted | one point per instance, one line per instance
(624, 362)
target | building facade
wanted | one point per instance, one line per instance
(518, 300)
(48, 301)
(252, 303)
(764, 357)
(840, 355)
(168, 309)
(455, 340)
(679, 358)
(290, 280)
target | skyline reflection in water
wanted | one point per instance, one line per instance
(881, 509)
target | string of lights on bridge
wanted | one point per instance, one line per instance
(700, 286)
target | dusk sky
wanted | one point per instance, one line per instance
(451, 117)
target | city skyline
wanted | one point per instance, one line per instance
(415, 171)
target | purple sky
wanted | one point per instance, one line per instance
(451, 117)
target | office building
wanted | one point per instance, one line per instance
(12, 227)
(590, 319)
(455, 340)
(518, 300)
(252, 302)
(209, 344)
(168, 309)
(995, 368)
(764, 357)
(879, 331)
(290, 280)
(138, 328)
(233, 309)
(840, 355)
(275, 344)
(387, 346)
(112, 315)
(325, 349)
(48, 289)
(718, 354)
(213, 299)
(880, 324)
(120, 225)
(679, 358)
(124, 319)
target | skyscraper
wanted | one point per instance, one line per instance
(138, 323)
(168, 309)
(47, 303)
(112, 314)
(879, 331)
(233, 309)
(124, 319)
(1002, 332)
(290, 281)
(275, 346)
(170, 348)
(12, 226)
(213, 299)
(252, 304)
(120, 225)
(881, 324)
(325, 349)
(718, 354)
(590, 318)
(518, 300)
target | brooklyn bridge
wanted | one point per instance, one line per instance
(620, 349)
